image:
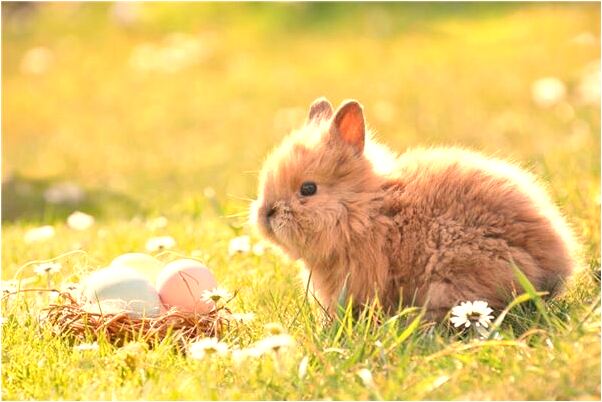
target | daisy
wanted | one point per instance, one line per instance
(240, 355)
(9, 286)
(548, 91)
(74, 289)
(206, 347)
(37, 61)
(209, 192)
(274, 328)
(240, 244)
(80, 221)
(39, 234)
(467, 313)
(303, 367)
(160, 243)
(275, 343)
(47, 268)
(366, 376)
(243, 318)
(86, 346)
(215, 295)
(259, 249)
(157, 223)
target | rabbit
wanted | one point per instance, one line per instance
(431, 227)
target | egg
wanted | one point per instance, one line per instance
(119, 288)
(181, 283)
(144, 263)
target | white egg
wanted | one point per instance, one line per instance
(119, 288)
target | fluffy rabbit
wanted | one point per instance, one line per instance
(430, 227)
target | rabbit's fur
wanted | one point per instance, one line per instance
(433, 226)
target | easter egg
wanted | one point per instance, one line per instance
(181, 284)
(118, 288)
(141, 262)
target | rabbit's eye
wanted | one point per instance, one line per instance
(308, 188)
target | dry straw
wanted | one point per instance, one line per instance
(69, 318)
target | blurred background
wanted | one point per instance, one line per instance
(124, 109)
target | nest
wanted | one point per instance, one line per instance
(70, 319)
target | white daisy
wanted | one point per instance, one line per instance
(39, 234)
(37, 61)
(243, 318)
(156, 223)
(160, 243)
(209, 192)
(259, 249)
(216, 295)
(47, 268)
(240, 244)
(206, 347)
(366, 376)
(86, 347)
(274, 328)
(276, 343)
(476, 313)
(303, 367)
(74, 289)
(548, 91)
(240, 355)
(9, 286)
(80, 221)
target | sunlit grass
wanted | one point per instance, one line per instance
(183, 137)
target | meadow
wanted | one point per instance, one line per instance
(154, 119)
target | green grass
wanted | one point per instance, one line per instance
(147, 143)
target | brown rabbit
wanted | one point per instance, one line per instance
(431, 227)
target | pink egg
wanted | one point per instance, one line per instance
(181, 283)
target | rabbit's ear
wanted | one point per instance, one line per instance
(320, 109)
(348, 125)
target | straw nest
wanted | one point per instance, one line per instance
(68, 317)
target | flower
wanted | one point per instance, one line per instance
(86, 347)
(9, 286)
(132, 354)
(47, 268)
(366, 376)
(240, 244)
(588, 89)
(37, 61)
(215, 295)
(39, 234)
(74, 289)
(303, 367)
(206, 347)
(548, 91)
(209, 192)
(274, 328)
(80, 221)
(259, 249)
(125, 13)
(157, 223)
(467, 313)
(275, 343)
(240, 355)
(243, 318)
(160, 243)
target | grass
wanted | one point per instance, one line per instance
(145, 143)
